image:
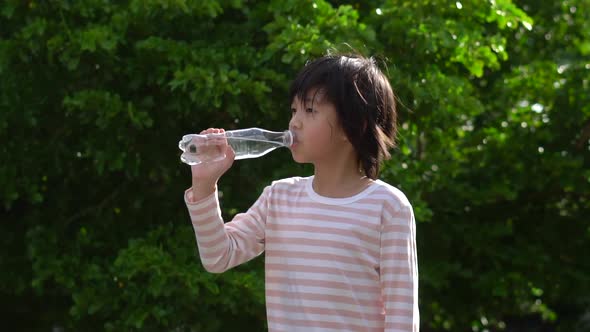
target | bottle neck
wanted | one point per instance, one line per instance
(287, 138)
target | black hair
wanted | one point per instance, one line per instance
(364, 101)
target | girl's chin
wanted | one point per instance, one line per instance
(297, 157)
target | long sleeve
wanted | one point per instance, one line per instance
(399, 269)
(225, 245)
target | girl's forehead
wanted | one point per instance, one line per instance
(312, 96)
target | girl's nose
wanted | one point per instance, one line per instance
(294, 122)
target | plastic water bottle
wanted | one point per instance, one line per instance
(246, 143)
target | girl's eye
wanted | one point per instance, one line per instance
(309, 110)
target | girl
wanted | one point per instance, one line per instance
(340, 251)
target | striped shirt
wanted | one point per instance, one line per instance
(331, 264)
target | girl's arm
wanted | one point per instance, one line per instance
(223, 246)
(399, 269)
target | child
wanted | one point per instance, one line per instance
(340, 245)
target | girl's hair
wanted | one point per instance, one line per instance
(364, 101)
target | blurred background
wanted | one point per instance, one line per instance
(494, 153)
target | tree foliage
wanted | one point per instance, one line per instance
(494, 153)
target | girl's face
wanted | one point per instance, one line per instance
(314, 122)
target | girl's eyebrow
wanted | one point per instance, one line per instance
(307, 100)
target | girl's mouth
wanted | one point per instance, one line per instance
(295, 141)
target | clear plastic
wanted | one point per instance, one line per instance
(246, 143)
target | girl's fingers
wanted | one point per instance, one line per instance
(217, 140)
(213, 131)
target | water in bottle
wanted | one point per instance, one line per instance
(246, 143)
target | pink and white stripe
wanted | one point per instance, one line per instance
(332, 264)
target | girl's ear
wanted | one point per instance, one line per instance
(343, 136)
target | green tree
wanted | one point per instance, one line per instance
(499, 138)
(494, 153)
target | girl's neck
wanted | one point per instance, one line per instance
(339, 180)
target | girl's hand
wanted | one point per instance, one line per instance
(206, 175)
